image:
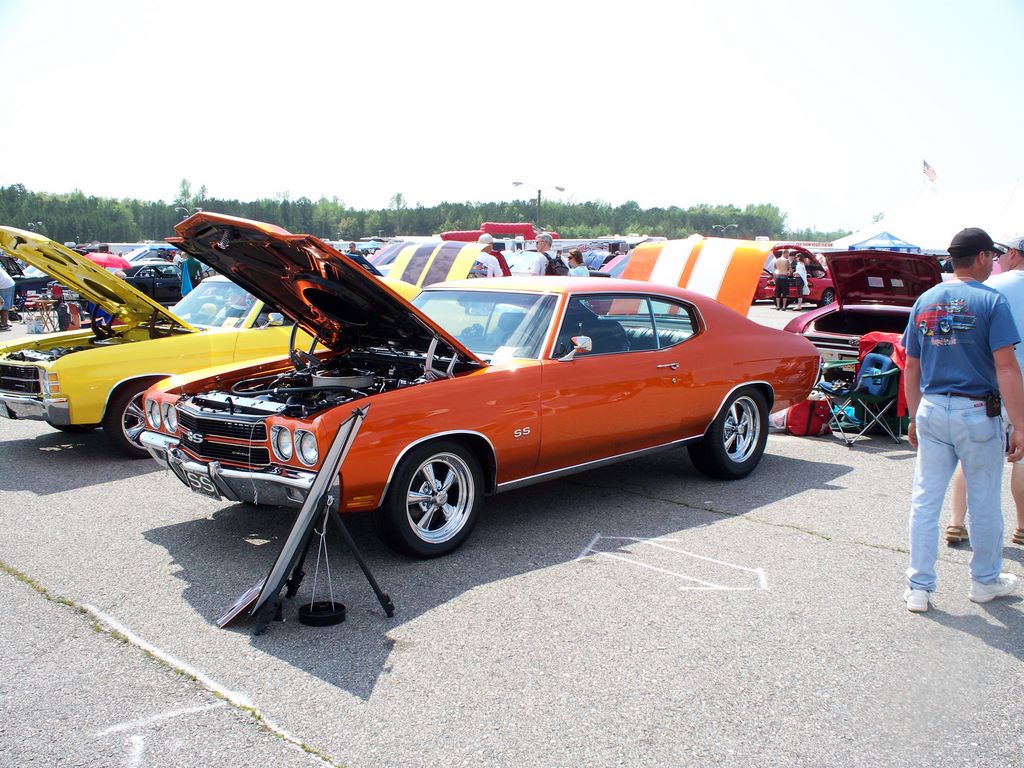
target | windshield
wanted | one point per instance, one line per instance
(33, 272)
(215, 303)
(493, 325)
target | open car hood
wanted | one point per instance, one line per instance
(881, 277)
(327, 294)
(93, 283)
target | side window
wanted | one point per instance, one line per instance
(614, 323)
(674, 321)
(168, 271)
(145, 273)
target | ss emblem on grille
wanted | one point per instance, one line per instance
(194, 437)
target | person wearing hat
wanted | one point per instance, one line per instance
(1010, 283)
(959, 342)
(487, 258)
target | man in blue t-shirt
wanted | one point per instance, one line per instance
(959, 343)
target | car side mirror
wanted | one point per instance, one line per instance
(274, 319)
(579, 344)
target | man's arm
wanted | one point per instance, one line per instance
(912, 391)
(1011, 390)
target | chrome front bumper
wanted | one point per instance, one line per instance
(52, 409)
(278, 486)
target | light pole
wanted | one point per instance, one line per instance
(532, 186)
(185, 212)
(723, 228)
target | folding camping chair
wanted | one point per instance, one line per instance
(873, 394)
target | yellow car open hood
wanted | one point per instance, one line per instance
(92, 283)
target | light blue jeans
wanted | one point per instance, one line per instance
(951, 429)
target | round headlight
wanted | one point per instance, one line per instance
(153, 413)
(306, 443)
(170, 417)
(282, 442)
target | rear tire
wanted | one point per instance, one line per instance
(827, 297)
(434, 500)
(735, 441)
(124, 420)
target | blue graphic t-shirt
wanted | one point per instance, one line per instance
(953, 330)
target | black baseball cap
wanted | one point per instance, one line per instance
(971, 241)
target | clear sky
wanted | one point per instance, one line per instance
(825, 108)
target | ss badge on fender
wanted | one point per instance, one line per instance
(519, 434)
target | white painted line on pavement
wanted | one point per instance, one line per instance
(707, 584)
(238, 699)
(138, 748)
(662, 543)
(135, 725)
(589, 548)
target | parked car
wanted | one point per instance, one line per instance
(818, 280)
(151, 252)
(79, 380)
(874, 292)
(425, 263)
(160, 280)
(476, 387)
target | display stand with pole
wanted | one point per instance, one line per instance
(319, 504)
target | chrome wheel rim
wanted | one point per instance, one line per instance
(133, 420)
(742, 429)
(440, 498)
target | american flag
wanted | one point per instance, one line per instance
(928, 170)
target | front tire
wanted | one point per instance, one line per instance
(433, 501)
(125, 420)
(735, 441)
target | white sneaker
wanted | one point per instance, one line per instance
(983, 593)
(916, 599)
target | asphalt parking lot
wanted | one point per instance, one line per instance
(636, 615)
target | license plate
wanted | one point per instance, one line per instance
(201, 484)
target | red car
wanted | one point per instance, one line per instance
(874, 292)
(822, 290)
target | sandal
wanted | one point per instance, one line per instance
(956, 534)
(1018, 536)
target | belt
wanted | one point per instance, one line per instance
(961, 394)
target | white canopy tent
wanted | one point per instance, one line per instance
(932, 217)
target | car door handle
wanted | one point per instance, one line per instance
(673, 366)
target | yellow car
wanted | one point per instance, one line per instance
(80, 380)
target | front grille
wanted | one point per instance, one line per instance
(243, 430)
(239, 454)
(21, 379)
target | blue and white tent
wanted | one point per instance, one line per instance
(884, 241)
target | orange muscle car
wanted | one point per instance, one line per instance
(476, 387)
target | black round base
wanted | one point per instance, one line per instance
(322, 614)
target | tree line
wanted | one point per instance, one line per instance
(82, 218)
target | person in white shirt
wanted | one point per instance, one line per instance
(803, 288)
(488, 259)
(6, 299)
(540, 261)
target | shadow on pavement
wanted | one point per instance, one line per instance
(519, 532)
